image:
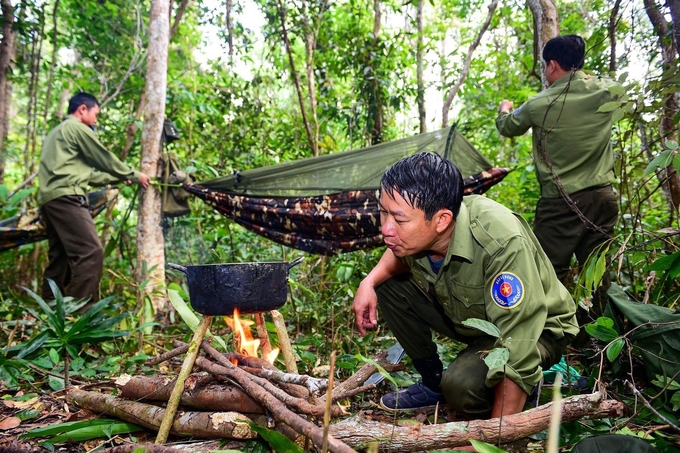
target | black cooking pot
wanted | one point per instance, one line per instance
(217, 289)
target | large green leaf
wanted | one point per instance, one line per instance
(483, 447)
(497, 358)
(614, 349)
(484, 326)
(601, 332)
(278, 442)
(189, 316)
(82, 431)
(33, 345)
(662, 160)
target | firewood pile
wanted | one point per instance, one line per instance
(229, 393)
(233, 391)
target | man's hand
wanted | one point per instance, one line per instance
(144, 180)
(505, 106)
(365, 303)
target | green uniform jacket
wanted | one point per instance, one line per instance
(69, 153)
(489, 245)
(577, 139)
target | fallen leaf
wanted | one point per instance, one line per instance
(10, 422)
(25, 404)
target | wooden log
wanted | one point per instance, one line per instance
(284, 342)
(262, 334)
(260, 385)
(358, 432)
(298, 391)
(210, 397)
(210, 425)
(278, 410)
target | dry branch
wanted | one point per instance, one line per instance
(167, 355)
(367, 370)
(208, 425)
(314, 385)
(278, 410)
(359, 432)
(260, 389)
(209, 397)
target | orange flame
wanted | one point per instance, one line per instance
(246, 344)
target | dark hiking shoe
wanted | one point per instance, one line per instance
(416, 396)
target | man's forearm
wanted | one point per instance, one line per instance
(509, 398)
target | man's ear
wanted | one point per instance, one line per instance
(444, 219)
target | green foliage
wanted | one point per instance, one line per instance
(80, 431)
(483, 447)
(277, 441)
(497, 357)
(92, 327)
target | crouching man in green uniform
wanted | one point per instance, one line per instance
(450, 259)
(69, 154)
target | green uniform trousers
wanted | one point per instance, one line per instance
(412, 315)
(76, 254)
(562, 233)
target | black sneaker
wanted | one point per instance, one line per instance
(416, 396)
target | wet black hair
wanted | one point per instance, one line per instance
(568, 51)
(79, 99)
(427, 182)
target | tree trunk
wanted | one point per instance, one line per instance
(296, 79)
(150, 244)
(613, 20)
(671, 108)
(546, 27)
(674, 6)
(377, 107)
(466, 65)
(6, 56)
(358, 431)
(310, 44)
(53, 64)
(422, 115)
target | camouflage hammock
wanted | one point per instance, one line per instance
(328, 204)
(28, 227)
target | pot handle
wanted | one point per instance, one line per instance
(296, 262)
(177, 267)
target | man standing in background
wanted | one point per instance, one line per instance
(69, 154)
(572, 153)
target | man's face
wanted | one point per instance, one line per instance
(89, 116)
(404, 228)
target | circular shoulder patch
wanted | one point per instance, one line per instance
(507, 290)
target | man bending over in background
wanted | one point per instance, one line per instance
(69, 153)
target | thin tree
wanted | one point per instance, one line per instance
(667, 124)
(419, 67)
(466, 66)
(546, 27)
(6, 56)
(296, 78)
(150, 244)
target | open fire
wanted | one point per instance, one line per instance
(245, 343)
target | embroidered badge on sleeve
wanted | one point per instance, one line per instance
(516, 112)
(507, 290)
